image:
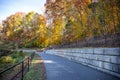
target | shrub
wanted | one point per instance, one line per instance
(7, 59)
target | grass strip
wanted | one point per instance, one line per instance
(37, 69)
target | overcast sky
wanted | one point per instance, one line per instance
(8, 7)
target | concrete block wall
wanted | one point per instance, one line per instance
(104, 59)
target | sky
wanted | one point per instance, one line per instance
(8, 7)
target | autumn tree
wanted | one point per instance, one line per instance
(1, 28)
(83, 18)
(13, 27)
(65, 21)
(26, 30)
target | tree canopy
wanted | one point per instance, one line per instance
(64, 21)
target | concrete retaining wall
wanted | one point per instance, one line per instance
(104, 59)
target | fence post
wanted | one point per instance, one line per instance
(28, 63)
(23, 65)
(22, 70)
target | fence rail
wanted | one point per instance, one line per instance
(111, 40)
(17, 71)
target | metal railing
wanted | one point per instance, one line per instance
(17, 71)
(109, 40)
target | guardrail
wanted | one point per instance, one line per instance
(17, 71)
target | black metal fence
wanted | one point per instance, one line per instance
(111, 40)
(17, 71)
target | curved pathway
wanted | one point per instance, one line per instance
(58, 68)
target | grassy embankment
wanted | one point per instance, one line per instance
(11, 59)
(36, 71)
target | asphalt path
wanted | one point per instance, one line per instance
(58, 68)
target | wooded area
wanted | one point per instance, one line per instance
(65, 21)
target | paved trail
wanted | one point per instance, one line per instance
(58, 68)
